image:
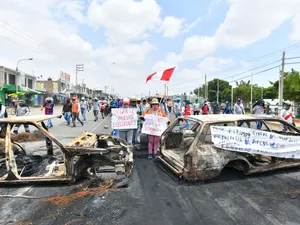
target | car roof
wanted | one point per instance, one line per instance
(29, 119)
(227, 117)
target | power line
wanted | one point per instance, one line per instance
(297, 57)
(19, 44)
(252, 69)
(287, 48)
(257, 73)
(291, 63)
(25, 35)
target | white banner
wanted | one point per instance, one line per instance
(124, 118)
(253, 141)
(154, 125)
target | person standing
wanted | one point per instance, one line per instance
(126, 134)
(287, 115)
(96, 108)
(89, 104)
(22, 110)
(153, 140)
(238, 108)
(205, 108)
(177, 108)
(83, 108)
(196, 107)
(259, 109)
(227, 109)
(187, 112)
(3, 113)
(170, 105)
(75, 112)
(136, 131)
(216, 108)
(102, 107)
(67, 111)
(49, 105)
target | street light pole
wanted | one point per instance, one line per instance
(79, 68)
(17, 71)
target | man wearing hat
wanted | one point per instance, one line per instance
(177, 108)
(22, 110)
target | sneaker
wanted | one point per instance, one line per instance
(155, 156)
(82, 123)
(150, 156)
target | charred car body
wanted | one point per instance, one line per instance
(88, 155)
(189, 152)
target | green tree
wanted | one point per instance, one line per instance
(291, 88)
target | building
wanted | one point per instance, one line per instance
(26, 86)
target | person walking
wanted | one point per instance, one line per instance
(196, 107)
(22, 110)
(48, 106)
(103, 107)
(67, 111)
(96, 108)
(227, 109)
(75, 112)
(126, 134)
(83, 108)
(238, 109)
(153, 140)
(187, 112)
(89, 104)
(133, 105)
(205, 108)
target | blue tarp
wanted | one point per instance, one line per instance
(63, 95)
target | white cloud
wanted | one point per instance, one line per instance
(171, 26)
(162, 65)
(126, 19)
(72, 8)
(58, 46)
(214, 64)
(123, 54)
(295, 35)
(194, 48)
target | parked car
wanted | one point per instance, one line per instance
(191, 154)
(39, 157)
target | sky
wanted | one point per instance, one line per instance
(121, 42)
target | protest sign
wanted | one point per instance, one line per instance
(254, 141)
(124, 118)
(154, 125)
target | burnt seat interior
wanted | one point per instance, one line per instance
(181, 138)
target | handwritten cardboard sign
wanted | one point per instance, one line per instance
(254, 141)
(154, 125)
(124, 118)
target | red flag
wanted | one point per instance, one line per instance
(164, 75)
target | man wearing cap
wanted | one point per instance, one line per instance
(153, 141)
(22, 110)
(227, 108)
(238, 107)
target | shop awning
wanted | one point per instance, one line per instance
(35, 92)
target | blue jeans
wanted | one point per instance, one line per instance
(67, 116)
(83, 113)
(177, 115)
(49, 123)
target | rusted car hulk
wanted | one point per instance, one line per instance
(88, 155)
(191, 154)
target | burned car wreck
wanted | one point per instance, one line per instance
(188, 150)
(39, 157)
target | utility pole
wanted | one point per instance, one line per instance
(251, 99)
(232, 93)
(105, 87)
(79, 68)
(262, 93)
(199, 91)
(282, 79)
(205, 92)
(218, 86)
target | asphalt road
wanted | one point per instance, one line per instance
(155, 196)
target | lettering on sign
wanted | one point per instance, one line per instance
(124, 118)
(154, 125)
(253, 141)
